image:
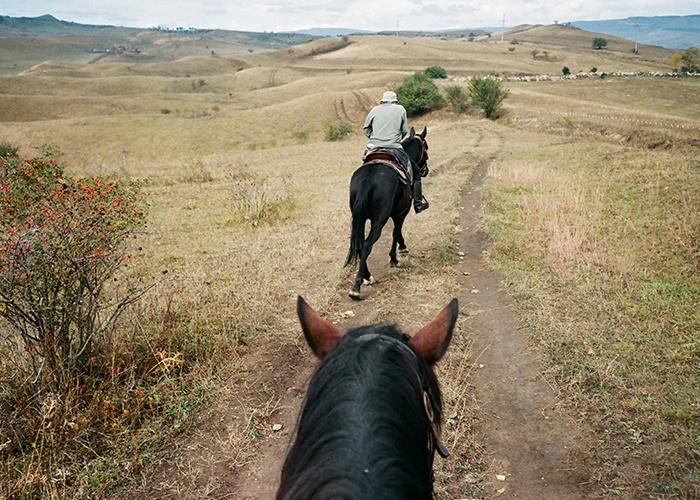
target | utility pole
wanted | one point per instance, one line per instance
(636, 36)
(503, 29)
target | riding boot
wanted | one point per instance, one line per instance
(419, 203)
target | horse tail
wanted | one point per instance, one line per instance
(360, 215)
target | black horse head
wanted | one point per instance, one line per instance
(370, 421)
(417, 149)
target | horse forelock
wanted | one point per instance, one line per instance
(363, 424)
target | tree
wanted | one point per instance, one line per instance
(417, 93)
(599, 42)
(690, 58)
(566, 71)
(676, 60)
(488, 94)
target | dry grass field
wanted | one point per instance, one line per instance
(590, 207)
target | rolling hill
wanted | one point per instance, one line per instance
(589, 207)
(26, 42)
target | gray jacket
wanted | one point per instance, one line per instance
(386, 125)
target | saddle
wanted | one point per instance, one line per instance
(388, 157)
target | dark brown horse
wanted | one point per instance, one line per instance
(370, 422)
(376, 195)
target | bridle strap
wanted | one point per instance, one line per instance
(422, 149)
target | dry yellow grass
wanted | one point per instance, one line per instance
(264, 114)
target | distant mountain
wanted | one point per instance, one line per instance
(451, 33)
(321, 32)
(676, 32)
(673, 32)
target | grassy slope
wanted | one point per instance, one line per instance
(263, 114)
(20, 52)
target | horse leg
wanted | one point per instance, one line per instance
(397, 240)
(364, 277)
(402, 244)
(393, 261)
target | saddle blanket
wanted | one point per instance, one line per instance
(388, 157)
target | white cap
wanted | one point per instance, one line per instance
(389, 97)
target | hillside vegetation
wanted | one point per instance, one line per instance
(26, 42)
(591, 213)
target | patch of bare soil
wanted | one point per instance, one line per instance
(532, 448)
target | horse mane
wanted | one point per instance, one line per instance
(363, 429)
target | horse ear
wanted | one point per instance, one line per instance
(319, 333)
(424, 133)
(412, 133)
(431, 341)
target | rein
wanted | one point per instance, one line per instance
(423, 150)
(423, 154)
(432, 408)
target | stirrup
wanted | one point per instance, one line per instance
(420, 205)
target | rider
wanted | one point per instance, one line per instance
(385, 126)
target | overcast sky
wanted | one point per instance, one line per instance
(371, 15)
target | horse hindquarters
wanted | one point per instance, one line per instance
(372, 191)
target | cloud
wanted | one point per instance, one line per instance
(283, 15)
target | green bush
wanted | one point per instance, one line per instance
(417, 93)
(436, 72)
(336, 131)
(565, 71)
(488, 94)
(457, 97)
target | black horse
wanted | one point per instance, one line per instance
(370, 422)
(376, 194)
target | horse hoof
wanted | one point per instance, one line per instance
(403, 250)
(370, 281)
(354, 295)
(395, 264)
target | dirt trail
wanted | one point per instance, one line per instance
(536, 447)
(528, 440)
(533, 450)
